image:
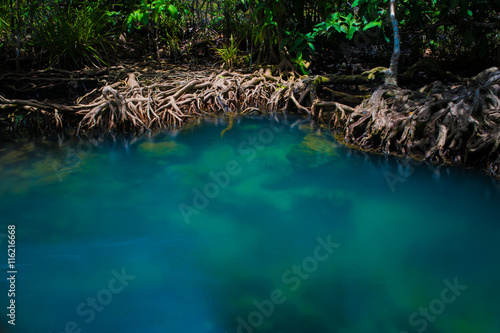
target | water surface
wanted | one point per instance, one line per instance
(271, 228)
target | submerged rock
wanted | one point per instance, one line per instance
(12, 157)
(162, 149)
(313, 151)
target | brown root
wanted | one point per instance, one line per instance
(457, 124)
(142, 102)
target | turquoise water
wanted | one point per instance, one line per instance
(272, 228)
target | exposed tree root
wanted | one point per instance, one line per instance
(347, 98)
(429, 65)
(457, 124)
(144, 102)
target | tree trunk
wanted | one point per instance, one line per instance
(391, 76)
(227, 27)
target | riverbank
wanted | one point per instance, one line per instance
(455, 122)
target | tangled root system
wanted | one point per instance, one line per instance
(456, 124)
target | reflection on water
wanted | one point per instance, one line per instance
(272, 228)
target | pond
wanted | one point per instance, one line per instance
(270, 227)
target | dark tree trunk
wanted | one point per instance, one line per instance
(391, 76)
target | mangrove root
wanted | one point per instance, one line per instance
(141, 102)
(457, 124)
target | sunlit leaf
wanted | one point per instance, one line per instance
(173, 11)
(357, 3)
(372, 24)
(311, 46)
(351, 31)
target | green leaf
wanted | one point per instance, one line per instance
(111, 13)
(297, 43)
(311, 46)
(299, 55)
(303, 69)
(172, 10)
(351, 31)
(387, 39)
(285, 42)
(469, 12)
(372, 24)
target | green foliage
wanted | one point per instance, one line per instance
(301, 63)
(172, 44)
(73, 36)
(155, 11)
(338, 23)
(298, 41)
(281, 31)
(162, 20)
(4, 30)
(300, 46)
(76, 32)
(228, 15)
(229, 54)
(451, 26)
(268, 27)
